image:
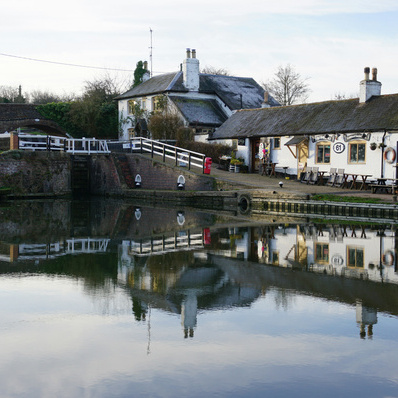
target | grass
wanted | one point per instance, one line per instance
(346, 199)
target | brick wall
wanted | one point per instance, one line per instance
(4, 144)
(156, 175)
(106, 179)
(35, 173)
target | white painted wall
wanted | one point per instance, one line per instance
(372, 165)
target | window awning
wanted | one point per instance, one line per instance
(296, 140)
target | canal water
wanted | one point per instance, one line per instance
(116, 299)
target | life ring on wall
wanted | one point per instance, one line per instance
(388, 258)
(389, 155)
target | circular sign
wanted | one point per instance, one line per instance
(337, 259)
(339, 147)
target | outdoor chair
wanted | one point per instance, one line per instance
(314, 176)
(332, 176)
(307, 175)
(339, 178)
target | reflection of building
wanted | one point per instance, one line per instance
(350, 251)
(182, 283)
(366, 318)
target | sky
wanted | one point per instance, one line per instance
(328, 42)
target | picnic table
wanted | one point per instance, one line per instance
(268, 168)
(353, 181)
(383, 185)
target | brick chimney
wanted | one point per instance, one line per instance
(369, 88)
(190, 70)
(266, 103)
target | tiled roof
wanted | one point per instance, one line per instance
(155, 85)
(200, 111)
(235, 92)
(377, 114)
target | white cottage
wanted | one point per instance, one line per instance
(358, 135)
(203, 101)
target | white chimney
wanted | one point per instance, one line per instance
(146, 76)
(190, 69)
(369, 88)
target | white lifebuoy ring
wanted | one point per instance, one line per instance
(388, 258)
(389, 155)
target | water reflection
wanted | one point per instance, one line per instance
(262, 286)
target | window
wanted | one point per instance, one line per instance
(355, 257)
(276, 143)
(158, 103)
(132, 107)
(322, 253)
(131, 133)
(357, 152)
(323, 153)
(143, 103)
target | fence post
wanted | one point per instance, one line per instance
(176, 155)
(189, 160)
(164, 153)
(14, 141)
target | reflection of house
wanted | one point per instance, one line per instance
(350, 251)
(203, 101)
(358, 135)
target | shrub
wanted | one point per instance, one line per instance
(213, 151)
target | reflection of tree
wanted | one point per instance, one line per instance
(139, 309)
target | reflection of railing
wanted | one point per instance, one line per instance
(70, 246)
(76, 246)
(70, 145)
(160, 245)
(182, 157)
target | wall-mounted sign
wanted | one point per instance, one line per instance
(338, 147)
(356, 136)
(337, 259)
(323, 137)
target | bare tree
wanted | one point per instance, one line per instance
(343, 96)
(287, 87)
(211, 70)
(10, 94)
(43, 97)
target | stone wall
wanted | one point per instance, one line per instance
(35, 173)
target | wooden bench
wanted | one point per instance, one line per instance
(387, 188)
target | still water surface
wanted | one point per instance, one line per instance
(111, 299)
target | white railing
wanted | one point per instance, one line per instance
(86, 146)
(181, 156)
(70, 145)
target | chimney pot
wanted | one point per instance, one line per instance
(374, 74)
(367, 71)
(193, 53)
(188, 53)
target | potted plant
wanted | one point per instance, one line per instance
(236, 163)
(373, 146)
